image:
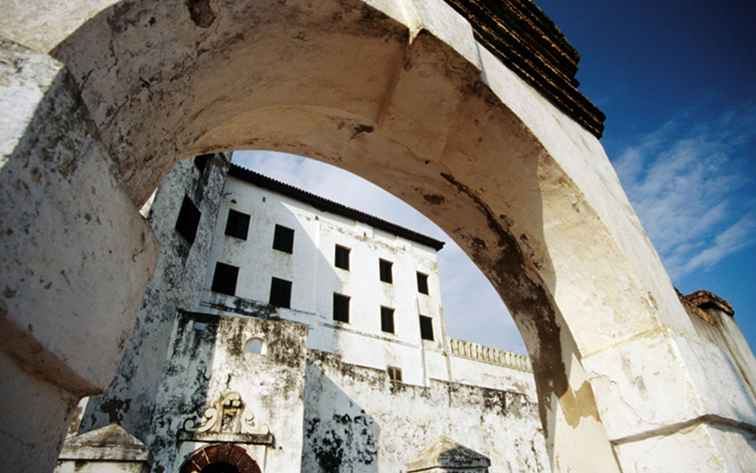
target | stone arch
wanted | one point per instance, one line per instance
(401, 93)
(224, 453)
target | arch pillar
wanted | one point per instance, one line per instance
(649, 373)
(70, 282)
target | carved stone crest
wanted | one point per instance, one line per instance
(225, 415)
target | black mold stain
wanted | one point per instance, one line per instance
(528, 298)
(434, 199)
(201, 13)
(329, 451)
(360, 128)
(346, 441)
(495, 401)
(115, 409)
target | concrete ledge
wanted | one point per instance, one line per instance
(649, 384)
(701, 447)
(252, 439)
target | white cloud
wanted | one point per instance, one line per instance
(735, 237)
(683, 182)
(472, 308)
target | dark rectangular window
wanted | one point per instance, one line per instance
(188, 220)
(422, 283)
(237, 224)
(426, 327)
(201, 161)
(394, 374)
(340, 307)
(280, 293)
(224, 278)
(387, 319)
(283, 239)
(385, 267)
(342, 257)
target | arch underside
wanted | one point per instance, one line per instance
(349, 85)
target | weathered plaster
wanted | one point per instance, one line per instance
(179, 277)
(206, 355)
(357, 420)
(63, 259)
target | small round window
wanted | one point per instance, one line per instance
(255, 345)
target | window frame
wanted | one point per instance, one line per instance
(388, 311)
(281, 235)
(188, 215)
(217, 285)
(423, 332)
(250, 342)
(390, 266)
(424, 277)
(344, 251)
(289, 286)
(341, 297)
(397, 377)
(236, 215)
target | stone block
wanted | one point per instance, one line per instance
(662, 380)
(700, 448)
(440, 19)
(70, 284)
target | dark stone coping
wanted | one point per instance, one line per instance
(708, 300)
(520, 35)
(227, 437)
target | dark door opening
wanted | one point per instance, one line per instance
(220, 467)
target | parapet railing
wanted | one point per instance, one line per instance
(490, 355)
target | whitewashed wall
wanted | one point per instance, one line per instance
(315, 278)
(328, 415)
(357, 421)
(176, 283)
(207, 358)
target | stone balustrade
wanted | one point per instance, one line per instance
(490, 355)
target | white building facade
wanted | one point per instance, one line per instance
(301, 335)
(368, 307)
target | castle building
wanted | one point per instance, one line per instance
(284, 332)
(287, 332)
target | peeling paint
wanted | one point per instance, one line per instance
(579, 404)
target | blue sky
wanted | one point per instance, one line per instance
(676, 81)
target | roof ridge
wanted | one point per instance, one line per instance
(321, 203)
